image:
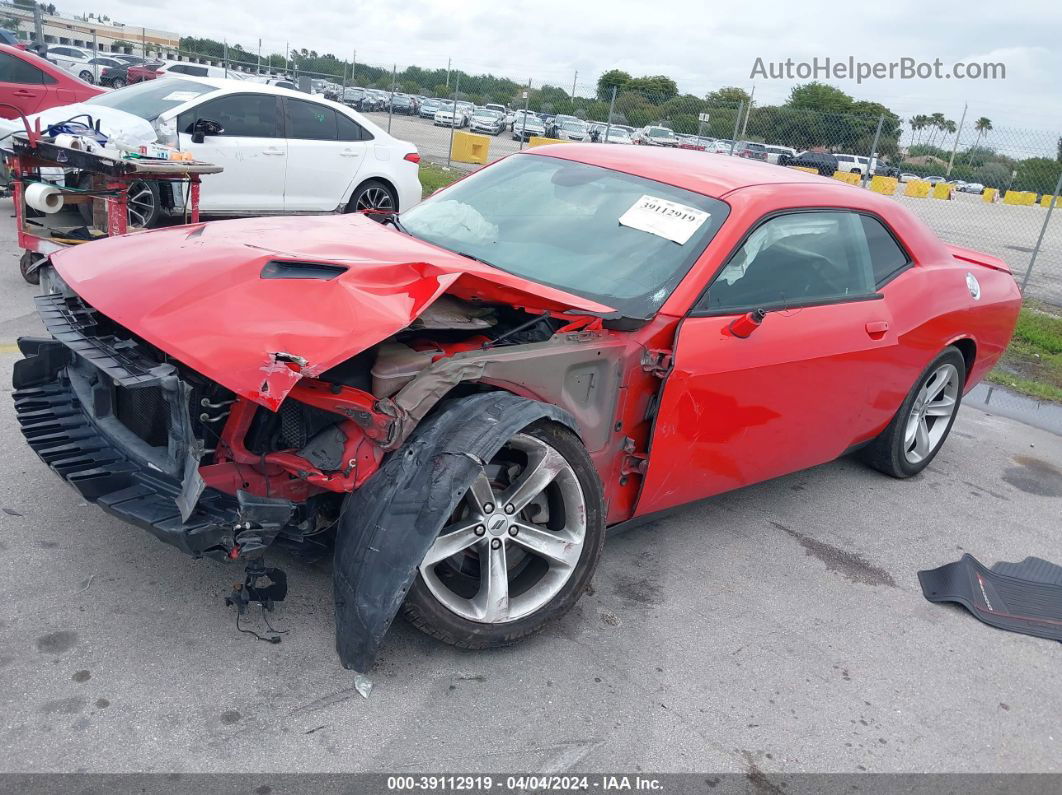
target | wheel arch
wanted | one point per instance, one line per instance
(968, 348)
(374, 178)
(389, 523)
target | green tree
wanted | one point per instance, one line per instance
(1038, 174)
(994, 175)
(728, 95)
(819, 97)
(656, 88)
(605, 83)
(635, 108)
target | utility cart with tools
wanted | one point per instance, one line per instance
(110, 178)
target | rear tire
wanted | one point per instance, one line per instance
(452, 597)
(372, 195)
(85, 75)
(922, 424)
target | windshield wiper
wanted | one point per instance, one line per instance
(477, 259)
(392, 218)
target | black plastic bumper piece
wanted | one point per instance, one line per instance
(58, 428)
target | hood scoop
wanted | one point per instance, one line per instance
(293, 269)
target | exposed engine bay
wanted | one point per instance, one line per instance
(290, 469)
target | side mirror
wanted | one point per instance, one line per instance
(204, 127)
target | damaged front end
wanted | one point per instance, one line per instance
(126, 430)
(224, 472)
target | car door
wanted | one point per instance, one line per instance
(22, 84)
(326, 150)
(249, 148)
(797, 390)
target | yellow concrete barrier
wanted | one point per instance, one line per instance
(917, 189)
(989, 195)
(1046, 199)
(1021, 198)
(808, 169)
(538, 140)
(885, 185)
(848, 177)
(942, 190)
(470, 148)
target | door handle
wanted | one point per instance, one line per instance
(349, 153)
(877, 328)
(272, 151)
(24, 93)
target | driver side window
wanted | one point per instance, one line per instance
(240, 115)
(795, 259)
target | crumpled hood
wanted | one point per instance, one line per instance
(197, 293)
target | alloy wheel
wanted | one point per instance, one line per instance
(141, 202)
(515, 538)
(931, 413)
(375, 198)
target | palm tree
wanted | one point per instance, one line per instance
(949, 129)
(918, 123)
(938, 123)
(983, 126)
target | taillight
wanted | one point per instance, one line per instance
(412, 157)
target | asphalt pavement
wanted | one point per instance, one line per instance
(777, 628)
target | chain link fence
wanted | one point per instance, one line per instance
(986, 188)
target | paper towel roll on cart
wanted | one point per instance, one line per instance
(44, 198)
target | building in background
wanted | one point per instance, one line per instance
(109, 36)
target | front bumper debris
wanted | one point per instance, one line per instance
(64, 403)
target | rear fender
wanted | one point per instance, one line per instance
(388, 525)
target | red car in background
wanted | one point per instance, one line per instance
(7, 37)
(32, 84)
(143, 71)
(468, 394)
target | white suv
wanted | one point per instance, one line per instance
(854, 164)
(283, 151)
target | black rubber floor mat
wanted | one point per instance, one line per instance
(1021, 597)
(1035, 569)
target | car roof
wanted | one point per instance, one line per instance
(250, 86)
(684, 168)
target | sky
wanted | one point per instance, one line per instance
(702, 45)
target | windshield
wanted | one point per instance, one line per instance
(151, 98)
(661, 132)
(573, 126)
(559, 223)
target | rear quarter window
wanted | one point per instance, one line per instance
(887, 258)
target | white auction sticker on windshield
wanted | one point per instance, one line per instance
(663, 218)
(180, 96)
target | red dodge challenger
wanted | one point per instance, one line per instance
(462, 398)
